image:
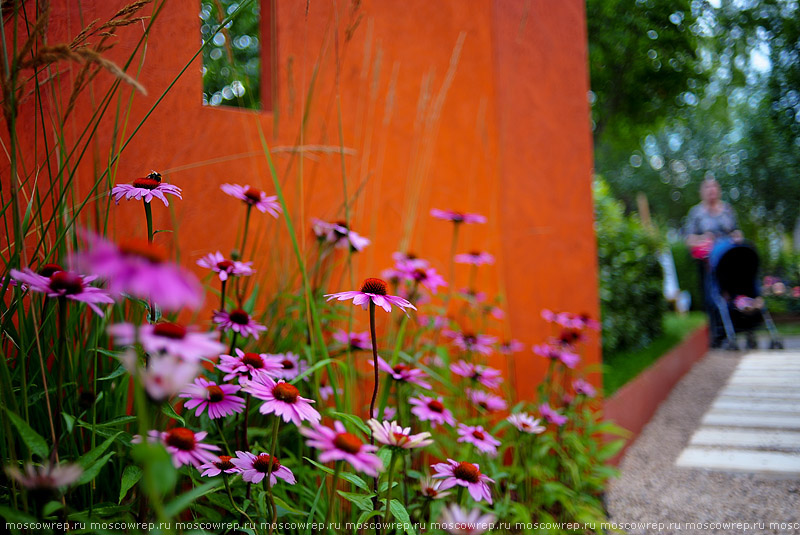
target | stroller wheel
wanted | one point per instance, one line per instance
(730, 345)
(778, 344)
(751, 341)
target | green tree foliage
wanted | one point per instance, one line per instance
(737, 119)
(632, 306)
(232, 60)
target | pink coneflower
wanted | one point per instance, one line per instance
(526, 423)
(430, 488)
(254, 468)
(464, 474)
(568, 338)
(404, 373)
(488, 377)
(409, 260)
(339, 235)
(478, 437)
(166, 337)
(215, 468)
(427, 277)
(392, 434)
(254, 197)
(552, 416)
(338, 444)
(374, 290)
(486, 401)
(431, 410)
(246, 365)
(238, 321)
(291, 365)
(472, 295)
(457, 217)
(388, 413)
(510, 347)
(225, 268)
(146, 188)
(184, 445)
(457, 521)
(569, 359)
(64, 284)
(281, 398)
(140, 269)
(582, 387)
(570, 320)
(475, 258)
(219, 399)
(496, 312)
(45, 477)
(164, 376)
(466, 341)
(356, 341)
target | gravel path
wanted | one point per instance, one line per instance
(652, 489)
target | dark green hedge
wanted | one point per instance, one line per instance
(631, 299)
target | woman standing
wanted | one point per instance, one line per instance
(708, 221)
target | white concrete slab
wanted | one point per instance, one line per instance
(747, 438)
(787, 392)
(757, 404)
(740, 460)
(752, 419)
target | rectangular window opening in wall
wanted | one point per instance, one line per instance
(237, 60)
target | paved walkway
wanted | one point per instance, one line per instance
(719, 451)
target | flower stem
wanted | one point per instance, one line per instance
(336, 470)
(452, 275)
(375, 362)
(59, 362)
(389, 488)
(233, 502)
(246, 228)
(274, 446)
(222, 296)
(148, 215)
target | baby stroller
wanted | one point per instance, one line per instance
(736, 292)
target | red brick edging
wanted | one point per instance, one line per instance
(632, 406)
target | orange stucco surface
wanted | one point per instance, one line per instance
(474, 105)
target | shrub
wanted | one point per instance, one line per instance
(631, 299)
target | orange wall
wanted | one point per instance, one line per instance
(501, 128)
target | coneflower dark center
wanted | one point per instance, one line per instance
(143, 249)
(253, 195)
(225, 265)
(400, 368)
(467, 472)
(253, 360)
(181, 438)
(69, 283)
(285, 392)
(477, 434)
(215, 394)
(169, 330)
(263, 462)
(239, 316)
(287, 364)
(48, 270)
(436, 406)
(374, 286)
(224, 462)
(348, 442)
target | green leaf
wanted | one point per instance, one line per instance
(289, 509)
(88, 459)
(185, 500)
(113, 375)
(167, 409)
(350, 478)
(130, 476)
(12, 515)
(401, 516)
(33, 440)
(366, 515)
(92, 472)
(353, 419)
(362, 501)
